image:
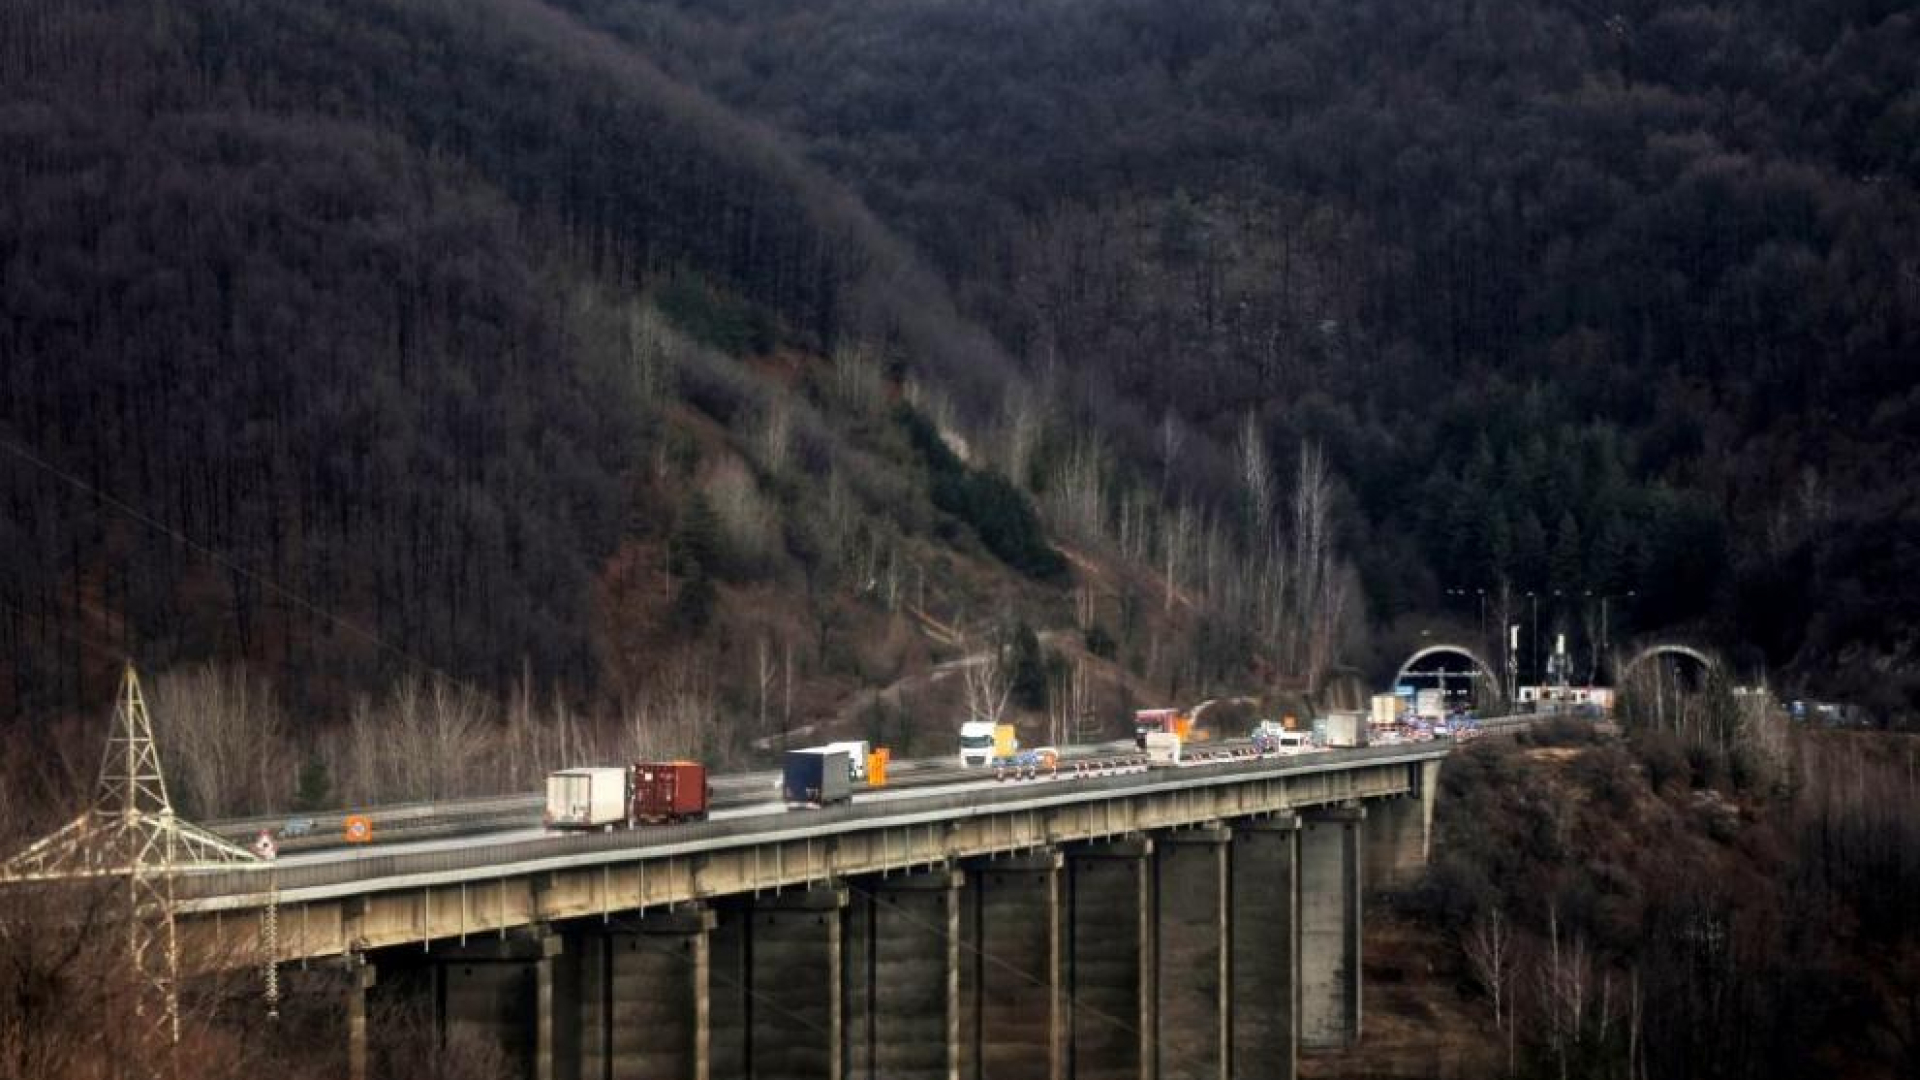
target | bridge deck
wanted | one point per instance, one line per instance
(338, 901)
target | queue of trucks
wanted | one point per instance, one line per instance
(646, 793)
(671, 792)
(604, 798)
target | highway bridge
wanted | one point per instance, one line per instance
(1193, 921)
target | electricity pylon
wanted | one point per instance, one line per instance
(130, 832)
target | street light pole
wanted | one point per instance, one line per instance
(1533, 599)
(1513, 663)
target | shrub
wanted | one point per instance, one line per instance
(1100, 643)
(1660, 752)
(716, 318)
(999, 514)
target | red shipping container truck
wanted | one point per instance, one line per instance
(665, 792)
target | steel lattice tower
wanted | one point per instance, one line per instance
(131, 832)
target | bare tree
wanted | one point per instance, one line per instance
(1490, 954)
(225, 740)
(1564, 989)
(1069, 703)
(989, 682)
(1311, 578)
(1256, 480)
(776, 433)
(1173, 436)
(766, 674)
(677, 718)
(1021, 429)
(1076, 499)
(1176, 545)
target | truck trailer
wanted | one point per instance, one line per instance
(647, 793)
(1346, 729)
(589, 798)
(664, 792)
(1386, 709)
(815, 778)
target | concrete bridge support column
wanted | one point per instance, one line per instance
(361, 976)
(1012, 1024)
(1109, 960)
(729, 985)
(1330, 895)
(1191, 930)
(1400, 832)
(902, 972)
(793, 986)
(644, 998)
(553, 1048)
(489, 1000)
(1266, 957)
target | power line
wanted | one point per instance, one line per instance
(214, 556)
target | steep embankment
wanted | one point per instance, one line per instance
(1697, 913)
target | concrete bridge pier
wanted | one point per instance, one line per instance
(1192, 985)
(1011, 927)
(505, 1000)
(644, 1001)
(1108, 955)
(902, 978)
(1399, 831)
(1265, 1020)
(1330, 896)
(786, 997)
(361, 976)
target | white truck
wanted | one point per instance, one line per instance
(976, 744)
(1386, 708)
(1346, 729)
(589, 798)
(1430, 704)
(1163, 749)
(856, 751)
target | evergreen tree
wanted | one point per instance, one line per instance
(1566, 569)
(1029, 669)
(1530, 552)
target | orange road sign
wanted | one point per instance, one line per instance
(359, 829)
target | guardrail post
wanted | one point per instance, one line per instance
(1191, 932)
(1109, 960)
(1265, 1025)
(1330, 896)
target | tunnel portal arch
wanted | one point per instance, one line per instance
(1705, 660)
(1481, 668)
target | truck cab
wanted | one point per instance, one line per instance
(976, 743)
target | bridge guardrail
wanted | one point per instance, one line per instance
(673, 841)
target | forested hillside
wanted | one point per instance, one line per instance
(332, 337)
(1591, 299)
(537, 343)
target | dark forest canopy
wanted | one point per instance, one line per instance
(319, 291)
(1640, 284)
(1580, 300)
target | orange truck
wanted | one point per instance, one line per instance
(1170, 721)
